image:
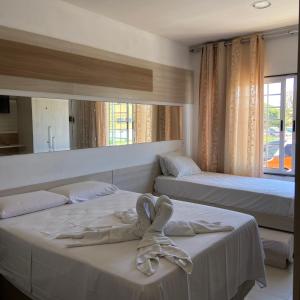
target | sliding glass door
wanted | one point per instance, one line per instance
(279, 124)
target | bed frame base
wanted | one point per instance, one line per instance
(9, 291)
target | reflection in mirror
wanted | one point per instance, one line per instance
(34, 125)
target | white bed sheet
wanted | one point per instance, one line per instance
(49, 271)
(260, 195)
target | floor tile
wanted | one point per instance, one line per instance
(256, 295)
(280, 285)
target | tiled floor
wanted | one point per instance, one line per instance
(280, 284)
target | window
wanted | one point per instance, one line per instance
(121, 119)
(279, 124)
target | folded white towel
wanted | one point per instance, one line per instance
(155, 244)
(145, 212)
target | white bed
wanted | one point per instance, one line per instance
(270, 201)
(44, 269)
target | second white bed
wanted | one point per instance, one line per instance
(271, 201)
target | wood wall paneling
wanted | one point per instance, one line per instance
(170, 84)
(19, 59)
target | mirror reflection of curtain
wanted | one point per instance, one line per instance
(169, 123)
(84, 133)
(144, 115)
(101, 123)
(89, 128)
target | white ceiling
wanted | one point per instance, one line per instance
(194, 21)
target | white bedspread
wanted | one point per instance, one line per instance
(49, 271)
(261, 195)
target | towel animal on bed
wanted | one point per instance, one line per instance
(150, 224)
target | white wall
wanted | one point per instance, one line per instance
(281, 55)
(22, 170)
(64, 21)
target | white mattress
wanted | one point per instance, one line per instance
(47, 270)
(260, 195)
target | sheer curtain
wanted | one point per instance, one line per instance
(169, 123)
(212, 108)
(244, 108)
(231, 107)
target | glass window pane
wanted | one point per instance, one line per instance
(274, 88)
(265, 89)
(274, 100)
(273, 131)
(289, 117)
(279, 146)
(289, 108)
(271, 155)
(290, 86)
(273, 113)
(288, 156)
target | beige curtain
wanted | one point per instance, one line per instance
(169, 123)
(244, 108)
(212, 108)
(84, 126)
(231, 107)
(101, 123)
(90, 125)
(161, 123)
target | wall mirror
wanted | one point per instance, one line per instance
(35, 125)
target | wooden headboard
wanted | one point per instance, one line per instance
(135, 179)
(103, 176)
(138, 179)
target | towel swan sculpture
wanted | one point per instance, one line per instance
(150, 224)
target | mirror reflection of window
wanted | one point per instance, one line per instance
(121, 119)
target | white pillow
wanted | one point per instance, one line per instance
(21, 204)
(181, 166)
(86, 190)
(163, 166)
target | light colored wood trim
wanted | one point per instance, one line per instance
(24, 60)
(103, 176)
(170, 84)
(138, 179)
